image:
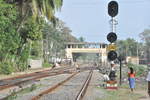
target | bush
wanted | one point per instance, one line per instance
(6, 68)
(46, 65)
(140, 69)
(33, 87)
(22, 66)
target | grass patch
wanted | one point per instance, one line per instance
(140, 69)
(123, 93)
(14, 95)
(27, 90)
(47, 65)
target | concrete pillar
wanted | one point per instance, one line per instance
(66, 46)
(95, 46)
(104, 57)
(100, 46)
(77, 46)
(82, 46)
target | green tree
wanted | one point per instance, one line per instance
(55, 39)
(33, 10)
(128, 47)
(15, 46)
(145, 36)
(37, 8)
(23, 27)
(10, 39)
(81, 39)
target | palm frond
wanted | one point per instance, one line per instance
(58, 4)
(45, 8)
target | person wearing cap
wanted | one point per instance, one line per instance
(112, 75)
(148, 79)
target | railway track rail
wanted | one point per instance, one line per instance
(84, 87)
(80, 94)
(18, 80)
(52, 88)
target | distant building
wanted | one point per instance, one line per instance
(35, 64)
(143, 61)
(132, 59)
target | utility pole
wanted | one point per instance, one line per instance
(120, 60)
(137, 53)
(120, 72)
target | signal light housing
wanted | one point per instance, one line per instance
(112, 55)
(112, 37)
(113, 8)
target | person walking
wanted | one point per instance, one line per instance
(131, 78)
(148, 79)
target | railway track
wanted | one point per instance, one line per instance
(52, 88)
(79, 93)
(84, 87)
(18, 80)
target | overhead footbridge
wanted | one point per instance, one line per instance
(86, 47)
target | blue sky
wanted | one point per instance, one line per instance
(89, 18)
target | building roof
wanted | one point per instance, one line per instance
(91, 43)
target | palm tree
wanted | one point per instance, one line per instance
(37, 8)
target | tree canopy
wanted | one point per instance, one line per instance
(27, 34)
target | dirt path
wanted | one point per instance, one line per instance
(146, 97)
(139, 91)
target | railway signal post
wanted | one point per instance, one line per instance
(120, 58)
(112, 37)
